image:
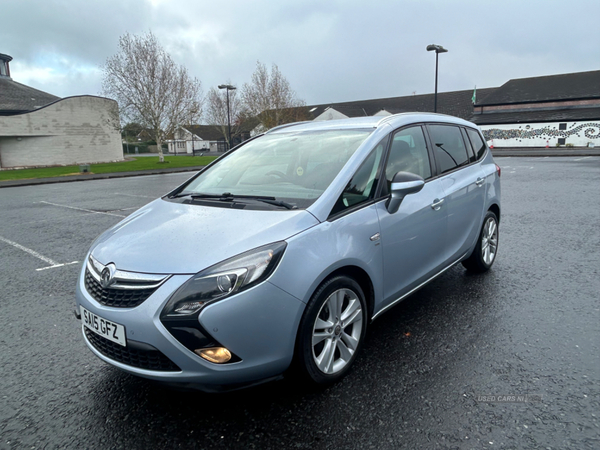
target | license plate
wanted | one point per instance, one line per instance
(103, 327)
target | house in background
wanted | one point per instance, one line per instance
(209, 138)
(39, 129)
(190, 138)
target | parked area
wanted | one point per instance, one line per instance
(441, 367)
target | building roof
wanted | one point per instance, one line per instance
(206, 132)
(537, 115)
(568, 86)
(16, 98)
(214, 132)
(456, 103)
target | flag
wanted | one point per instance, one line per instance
(474, 98)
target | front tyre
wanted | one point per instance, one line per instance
(332, 330)
(486, 249)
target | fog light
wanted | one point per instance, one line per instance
(217, 355)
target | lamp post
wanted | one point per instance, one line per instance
(437, 49)
(229, 88)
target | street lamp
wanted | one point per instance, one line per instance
(229, 88)
(437, 49)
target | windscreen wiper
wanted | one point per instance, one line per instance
(228, 197)
(181, 194)
(277, 203)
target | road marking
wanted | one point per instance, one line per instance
(579, 159)
(83, 209)
(135, 195)
(28, 250)
(55, 266)
(47, 260)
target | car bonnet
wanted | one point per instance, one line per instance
(175, 238)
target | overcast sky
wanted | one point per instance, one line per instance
(329, 50)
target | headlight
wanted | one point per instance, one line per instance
(224, 279)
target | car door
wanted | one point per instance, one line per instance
(462, 181)
(413, 237)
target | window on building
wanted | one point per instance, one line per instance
(448, 146)
(562, 126)
(562, 141)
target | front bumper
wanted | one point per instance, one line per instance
(258, 325)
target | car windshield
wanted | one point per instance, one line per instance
(291, 167)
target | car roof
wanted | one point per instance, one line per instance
(395, 121)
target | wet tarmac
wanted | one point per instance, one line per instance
(509, 359)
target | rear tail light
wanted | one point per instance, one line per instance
(498, 170)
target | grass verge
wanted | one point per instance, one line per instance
(140, 163)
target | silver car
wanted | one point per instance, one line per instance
(285, 248)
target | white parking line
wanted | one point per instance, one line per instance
(55, 266)
(47, 260)
(83, 209)
(28, 250)
(579, 159)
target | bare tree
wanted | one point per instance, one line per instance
(216, 111)
(150, 87)
(270, 97)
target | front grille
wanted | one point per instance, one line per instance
(136, 354)
(117, 298)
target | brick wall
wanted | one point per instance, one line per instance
(73, 130)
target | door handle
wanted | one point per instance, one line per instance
(480, 182)
(437, 204)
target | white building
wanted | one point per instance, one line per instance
(40, 129)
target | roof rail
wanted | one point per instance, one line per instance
(286, 125)
(388, 118)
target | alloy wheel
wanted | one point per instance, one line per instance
(489, 241)
(337, 331)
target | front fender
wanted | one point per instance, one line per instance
(316, 253)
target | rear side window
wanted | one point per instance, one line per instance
(472, 155)
(477, 142)
(448, 146)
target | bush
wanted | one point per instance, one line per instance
(143, 147)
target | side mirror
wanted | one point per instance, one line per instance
(403, 184)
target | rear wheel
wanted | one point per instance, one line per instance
(486, 249)
(332, 330)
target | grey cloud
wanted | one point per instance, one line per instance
(330, 51)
